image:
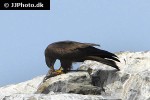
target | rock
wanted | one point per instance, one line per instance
(27, 87)
(104, 82)
(74, 82)
(52, 97)
(132, 82)
(111, 81)
(137, 87)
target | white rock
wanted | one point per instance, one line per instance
(52, 97)
(24, 87)
(131, 83)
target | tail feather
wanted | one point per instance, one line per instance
(113, 58)
(92, 51)
(104, 61)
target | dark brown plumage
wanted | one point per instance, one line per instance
(70, 51)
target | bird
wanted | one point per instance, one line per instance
(69, 52)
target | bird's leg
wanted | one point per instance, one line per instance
(52, 69)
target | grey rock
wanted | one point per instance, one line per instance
(131, 83)
(102, 81)
(137, 87)
(53, 97)
(75, 82)
(28, 87)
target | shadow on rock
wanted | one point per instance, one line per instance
(102, 78)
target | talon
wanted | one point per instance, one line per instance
(59, 71)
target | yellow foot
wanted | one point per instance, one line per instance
(59, 71)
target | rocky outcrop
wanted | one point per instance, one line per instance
(28, 87)
(99, 82)
(52, 97)
(74, 82)
(131, 83)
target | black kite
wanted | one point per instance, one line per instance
(70, 51)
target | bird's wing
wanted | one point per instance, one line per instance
(67, 48)
(92, 51)
(71, 45)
